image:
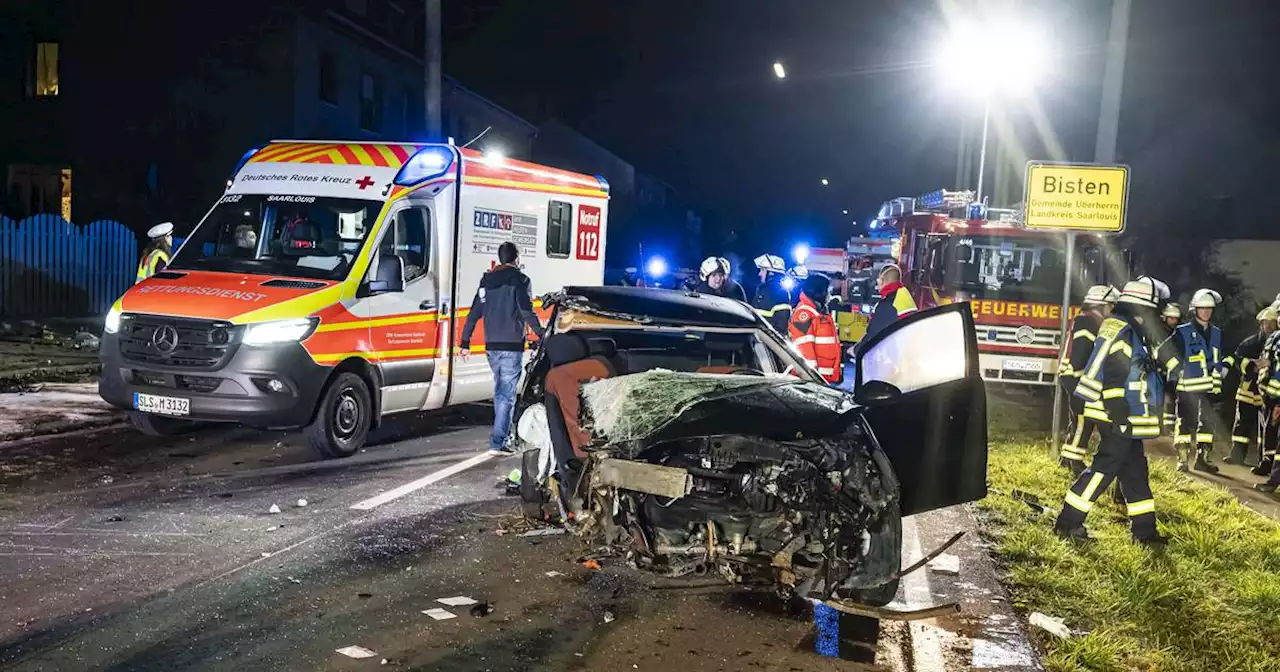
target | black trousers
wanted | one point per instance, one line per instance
(1079, 433)
(1193, 432)
(1270, 439)
(1245, 433)
(1119, 458)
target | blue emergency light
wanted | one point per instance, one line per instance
(800, 252)
(429, 163)
(657, 267)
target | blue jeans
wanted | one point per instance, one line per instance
(506, 375)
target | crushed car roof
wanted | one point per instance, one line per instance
(667, 305)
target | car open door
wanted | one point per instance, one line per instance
(927, 406)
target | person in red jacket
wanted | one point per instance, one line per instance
(895, 301)
(813, 331)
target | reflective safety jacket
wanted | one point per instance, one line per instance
(814, 334)
(1269, 381)
(1245, 360)
(1122, 375)
(773, 303)
(153, 261)
(1200, 354)
(1084, 332)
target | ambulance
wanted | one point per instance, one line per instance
(328, 286)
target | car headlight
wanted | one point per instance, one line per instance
(112, 323)
(279, 331)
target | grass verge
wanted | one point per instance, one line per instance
(1211, 601)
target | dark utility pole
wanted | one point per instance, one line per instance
(433, 71)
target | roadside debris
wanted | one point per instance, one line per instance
(357, 652)
(1030, 500)
(275, 508)
(544, 532)
(458, 601)
(84, 340)
(293, 580)
(364, 596)
(266, 554)
(482, 609)
(591, 564)
(108, 480)
(301, 503)
(609, 617)
(115, 518)
(1051, 624)
(945, 564)
(553, 574)
(440, 614)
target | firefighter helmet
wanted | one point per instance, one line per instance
(1144, 291)
(1172, 310)
(771, 263)
(713, 265)
(800, 271)
(1205, 298)
(1101, 294)
(1268, 313)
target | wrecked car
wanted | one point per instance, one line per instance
(682, 431)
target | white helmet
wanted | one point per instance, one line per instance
(1144, 291)
(160, 230)
(1172, 310)
(1268, 313)
(1205, 298)
(800, 271)
(1101, 295)
(772, 263)
(712, 265)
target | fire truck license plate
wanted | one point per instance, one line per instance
(1023, 365)
(150, 403)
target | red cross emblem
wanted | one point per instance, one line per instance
(363, 182)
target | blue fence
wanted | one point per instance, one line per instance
(50, 267)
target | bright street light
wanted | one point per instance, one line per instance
(844, 212)
(800, 253)
(825, 182)
(778, 70)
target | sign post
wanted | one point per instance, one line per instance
(1073, 198)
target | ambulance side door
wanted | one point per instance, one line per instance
(404, 326)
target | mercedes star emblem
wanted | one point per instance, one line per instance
(165, 339)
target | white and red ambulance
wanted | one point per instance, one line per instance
(328, 285)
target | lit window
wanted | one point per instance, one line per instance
(46, 69)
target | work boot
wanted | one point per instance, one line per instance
(1263, 468)
(1153, 542)
(1203, 463)
(1182, 467)
(1268, 488)
(1076, 466)
(1075, 534)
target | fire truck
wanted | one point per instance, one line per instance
(953, 249)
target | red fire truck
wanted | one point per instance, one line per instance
(951, 249)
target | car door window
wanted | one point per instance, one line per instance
(922, 353)
(409, 237)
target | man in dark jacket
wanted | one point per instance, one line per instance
(895, 301)
(505, 303)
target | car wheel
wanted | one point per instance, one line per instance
(157, 425)
(342, 421)
(885, 546)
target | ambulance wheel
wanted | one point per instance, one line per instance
(343, 419)
(157, 425)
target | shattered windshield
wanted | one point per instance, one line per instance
(660, 405)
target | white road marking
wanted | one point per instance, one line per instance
(433, 477)
(926, 639)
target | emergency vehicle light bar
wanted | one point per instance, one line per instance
(939, 201)
(429, 163)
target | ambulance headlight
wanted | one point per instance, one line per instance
(279, 331)
(112, 323)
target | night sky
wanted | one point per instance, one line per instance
(685, 90)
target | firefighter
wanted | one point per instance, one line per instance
(1098, 302)
(895, 301)
(772, 300)
(813, 331)
(1197, 345)
(715, 280)
(156, 256)
(1269, 384)
(1172, 317)
(1122, 374)
(797, 275)
(1245, 431)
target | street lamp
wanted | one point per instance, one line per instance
(994, 58)
(825, 182)
(844, 212)
(779, 71)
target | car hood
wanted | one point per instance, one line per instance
(660, 406)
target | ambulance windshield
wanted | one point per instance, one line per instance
(270, 234)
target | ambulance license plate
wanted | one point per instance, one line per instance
(1023, 365)
(150, 403)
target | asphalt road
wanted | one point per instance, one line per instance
(121, 552)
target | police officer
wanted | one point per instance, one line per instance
(1198, 346)
(715, 280)
(1244, 433)
(1123, 375)
(156, 256)
(773, 300)
(1098, 302)
(813, 331)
